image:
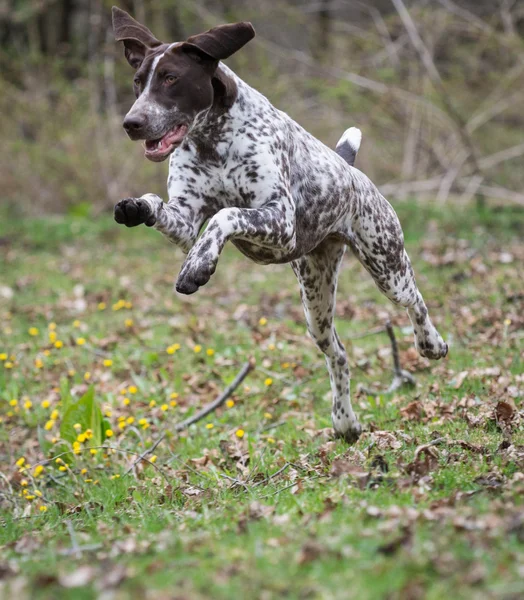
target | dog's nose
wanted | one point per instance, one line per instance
(134, 124)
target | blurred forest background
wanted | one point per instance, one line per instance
(437, 86)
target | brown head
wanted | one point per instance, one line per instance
(173, 82)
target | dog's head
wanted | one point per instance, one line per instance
(173, 82)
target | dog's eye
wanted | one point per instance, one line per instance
(136, 81)
(170, 79)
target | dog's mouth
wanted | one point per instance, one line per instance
(159, 149)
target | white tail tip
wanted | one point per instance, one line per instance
(353, 137)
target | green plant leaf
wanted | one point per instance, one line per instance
(87, 413)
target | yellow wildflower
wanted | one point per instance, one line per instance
(39, 469)
(108, 362)
(8, 365)
(51, 326)
(13, 402)
(87, 376)
(133, 389)
(37, 493)
(101, 306)
(81, 438)
(83, 471)
(28, 404)
(164, 407)
(262, 321)
(93, 451)
(77, 427)
(152, 403)
(58, 344)
(209, 426)
(88, 434)
(39, 363)
(128, 323)
(153, 458)
(271, 347)
(210, 351)
(33, 331)
(76, 323)
(173, 395)
(23, 483)
(268, 381)
(46, 352)
(62, 468)
(240, 433)
(52, 336)
(80, 341)
(20, 462)
(54, 415)
(126, 401)
(270, 440)
(173, 403)
(230, 403)
(268, 415)
(42, 508)
(109, 433)
(130, 420)
(3, 356)
(197, 349)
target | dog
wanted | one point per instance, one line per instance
(263, 183)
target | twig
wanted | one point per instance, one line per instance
(246, 369)
(424, 447)
(400, 376)
(75, 548)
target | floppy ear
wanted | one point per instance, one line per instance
(136, 37)
(222, 41)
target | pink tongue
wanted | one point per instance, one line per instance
(172, 137)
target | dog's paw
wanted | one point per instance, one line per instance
(430, 344)
(133, 211)
(194, 274)
(346, 426)
(350, 435)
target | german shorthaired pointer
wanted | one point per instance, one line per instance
(265, 184)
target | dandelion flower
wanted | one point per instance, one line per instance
(42, 508)
(81, 438)
(153, 458)
(173, 403)
(87, 376)
(3, 356)
(93, 451)
(164, 407)
(49, 424)
(128, 323)
(270, 440)
(152, 404)
(52, 336)
(197, 349)
(13, 402)
(130, 420)
(8, 365)
(33, 331)
(126, 401)
(173, 395)
(28, 404)
(262, 321)
(54, 415)
(209, 426)
(230, 403)
(133, 389)
(38, 470)
(77, 427)
(268, 415)
(59, 344)
(80, 341)
(108, 362)
(268, 382)
(101, 306)
(39, 363)
(51, 326)
(109, 433)
(271, 347)
(20, 462)
(76, 323)
(240, 433)
(210, 351)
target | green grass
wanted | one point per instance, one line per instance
(207, 520)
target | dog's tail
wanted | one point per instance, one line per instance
(349, 144)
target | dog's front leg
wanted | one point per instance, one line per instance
(271, 226)
(177, 220)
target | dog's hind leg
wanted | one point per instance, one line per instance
(375, 236)
(317, 274)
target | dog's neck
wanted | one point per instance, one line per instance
(214, 125)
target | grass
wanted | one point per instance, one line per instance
(207, 519)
